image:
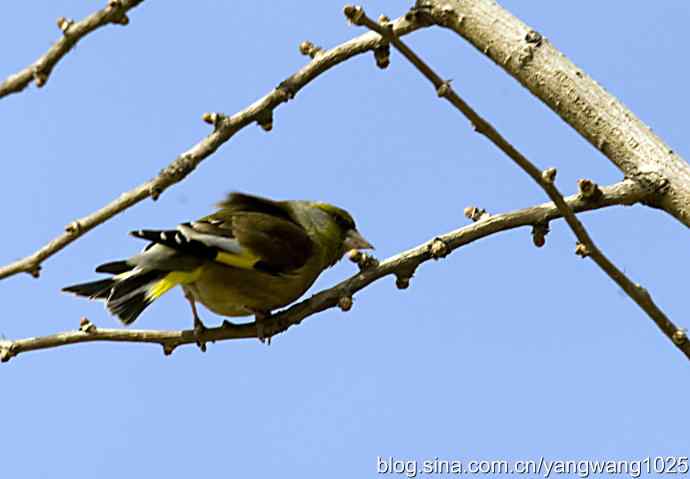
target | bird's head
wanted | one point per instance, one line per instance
(351, 238)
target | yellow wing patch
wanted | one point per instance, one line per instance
(171, 280)
(244, 261)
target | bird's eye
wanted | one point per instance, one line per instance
(343, 221)
(340, 216)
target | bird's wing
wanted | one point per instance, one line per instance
(265, 227)
(244, 203)
(248, 232)
(281, 245)
(186, 242)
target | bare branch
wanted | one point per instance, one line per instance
(72, 32)
(545, 179)
(402, 265)
(224, 128)
(578, 99)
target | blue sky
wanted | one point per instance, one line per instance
(500, 351)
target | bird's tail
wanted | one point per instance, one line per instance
(129, 291)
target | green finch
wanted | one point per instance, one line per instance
(250, 257)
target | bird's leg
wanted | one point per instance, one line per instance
(199, 327)
(260, 318)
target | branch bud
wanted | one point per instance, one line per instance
(210, 118)
(581, 250)
(64, 24)
(213, 118)
(40, 77)
(363, 260)
(7, 351)
(309, 49)
(589, 190)
(475, 213)
(533, 36)
(265, 120)
(539, 232)
(549, 175)
(35, 270)
(680, 336)
(73, 228)
(345, 303)
(355, 14)
(402, 282)
(86, 326)
(439, 249)
(122, 20)
(444, 89)
(382, 55)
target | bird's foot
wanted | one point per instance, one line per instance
(260, 318)
(199, 330)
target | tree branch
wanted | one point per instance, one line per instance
(225, 127)
(72, 32)
(544, 179)
(579, 100)
(402, 265)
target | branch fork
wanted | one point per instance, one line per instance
(545, 179)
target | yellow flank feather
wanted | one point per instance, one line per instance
(244, 261)
(171, 280)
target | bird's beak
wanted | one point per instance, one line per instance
(354, 240)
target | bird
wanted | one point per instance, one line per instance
(251, 256)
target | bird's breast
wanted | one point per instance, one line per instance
(230, 291)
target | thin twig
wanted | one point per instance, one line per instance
(402, 265)
(225, 127)
(72, 32)
(544, 179)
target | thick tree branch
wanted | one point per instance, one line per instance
(545, 179)
(72, 32)
(260, 111)
(579, 100)
(402, 265)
